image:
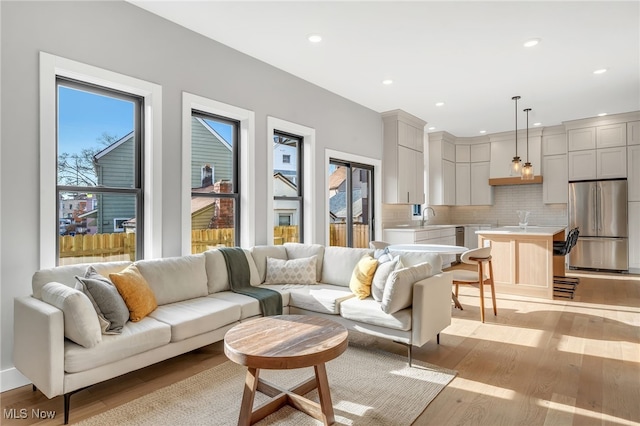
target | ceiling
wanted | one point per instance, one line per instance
(469, 55)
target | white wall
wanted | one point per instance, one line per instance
(123, 38)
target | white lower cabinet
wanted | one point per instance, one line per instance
(634, 237)
(443, 236)
(555, 178)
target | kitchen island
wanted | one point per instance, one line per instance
(523, 260)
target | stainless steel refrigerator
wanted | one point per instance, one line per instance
(599, 210)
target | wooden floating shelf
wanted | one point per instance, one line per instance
(514, 181)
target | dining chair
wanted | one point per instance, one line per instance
(481, 258)
(564, 286)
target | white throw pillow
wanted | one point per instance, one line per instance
(398, 290)
(380, 278)
(292, 271)
(81, 324)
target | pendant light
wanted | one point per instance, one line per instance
(527, 170)
(516, 164)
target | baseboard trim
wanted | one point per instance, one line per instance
(11, 379)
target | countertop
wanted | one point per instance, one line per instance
(529, 230)
(413, 228)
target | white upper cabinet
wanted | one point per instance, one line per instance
(611, 162)
(481, 191)
(582, 165)
(442, 169)
(611, 135)
(403, 158)
(554, 184)
(554, 144)
(581, 139)
(503, 150)
(463, 154)
(633, 133)
(463, 184)
(480, 152)
(633, 170)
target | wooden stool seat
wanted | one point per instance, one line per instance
(481, 257)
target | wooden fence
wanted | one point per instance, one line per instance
(122, 246)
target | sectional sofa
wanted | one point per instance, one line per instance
(62, 345)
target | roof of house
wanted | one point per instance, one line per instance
(337, 177)
(338, 203)
(113, 146)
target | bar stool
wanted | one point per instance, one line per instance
(565, 286)
(481, 257)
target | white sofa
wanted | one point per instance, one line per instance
(197, 308)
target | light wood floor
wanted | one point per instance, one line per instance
(560, 362)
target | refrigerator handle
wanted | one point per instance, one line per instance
(594, 189)
(598, 212)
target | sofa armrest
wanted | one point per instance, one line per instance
(431, 311)
(38, 344)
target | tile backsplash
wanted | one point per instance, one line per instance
(507, 199)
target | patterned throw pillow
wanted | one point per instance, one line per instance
(362, 276)
(292, 271)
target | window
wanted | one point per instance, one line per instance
(145, 225)
(215, 207)
(351, 204)
(288, 188)
(99, 172)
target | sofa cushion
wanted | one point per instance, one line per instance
(412, 258)
(324, 298)
(339, 262)
(249, 306)
(196, 316)
(105, 299)
(398, 290)
(298, 250)
(260, 254)
(135, 292)
(136, 337)
(292, 271)
(380, 277)
(216, 267)
(368, 311)
(174, 279)
(67, 274)
(362, 276)
(81, 323)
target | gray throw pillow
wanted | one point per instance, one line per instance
(105, 298)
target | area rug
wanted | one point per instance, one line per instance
(368, 387)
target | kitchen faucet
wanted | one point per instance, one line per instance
(423, 211)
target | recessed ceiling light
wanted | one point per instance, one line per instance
(439, 104)
(600, 71)
(531, 42)
(602, 114)
(483, 131)
(387, 82)
(314, 38)
(537, 124)
(432, 128)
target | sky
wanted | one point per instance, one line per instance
(83, 117)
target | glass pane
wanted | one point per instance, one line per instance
(212, 144)
(338, 205)
(96, 227)
(360, 207)
(212, 223)
(287, 220)
(285, 165)
(95, 139)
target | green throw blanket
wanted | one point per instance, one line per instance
(240, 282)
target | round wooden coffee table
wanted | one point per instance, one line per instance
(285, 342)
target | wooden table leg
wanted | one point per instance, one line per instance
(325, 395)
(456, 302)
(248, 395)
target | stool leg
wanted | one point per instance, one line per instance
(481, 285)
(493, 289)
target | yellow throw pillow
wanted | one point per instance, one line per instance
(362, 276)
(135, 292)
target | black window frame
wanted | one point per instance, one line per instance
(138, 137)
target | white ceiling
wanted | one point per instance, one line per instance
(469, 55)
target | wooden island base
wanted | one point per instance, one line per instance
(523, 260)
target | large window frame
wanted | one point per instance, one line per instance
(330, 155)
(307, 219)
(51, 68)
(299, 198)
(246, 163)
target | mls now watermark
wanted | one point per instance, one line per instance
(23, 413)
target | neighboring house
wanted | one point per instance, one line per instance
(77, 215)
(114, 167)
(285, 162)
(211, 155)
(285, 212)
(338, 197)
